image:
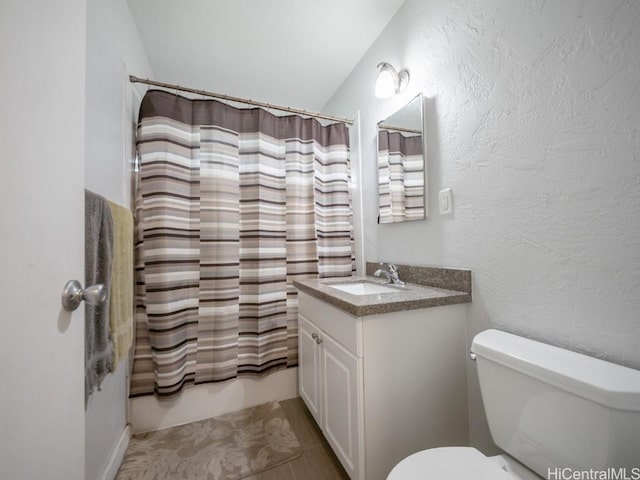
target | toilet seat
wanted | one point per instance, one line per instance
(448, 463)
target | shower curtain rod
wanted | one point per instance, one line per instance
(134, 79)
(399, 129)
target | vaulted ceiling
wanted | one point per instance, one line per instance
(289, 52)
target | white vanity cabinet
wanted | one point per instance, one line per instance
(383, 386)
(330, 381)
(309, 366)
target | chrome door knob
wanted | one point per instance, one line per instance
(73, 294)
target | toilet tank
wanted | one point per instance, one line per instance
(551, 408)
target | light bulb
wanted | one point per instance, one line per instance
(386, 83)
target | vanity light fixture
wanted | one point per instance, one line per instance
(390, 81)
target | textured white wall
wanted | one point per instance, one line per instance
(113, 51)
(534, 122)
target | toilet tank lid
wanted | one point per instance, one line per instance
(603, 382)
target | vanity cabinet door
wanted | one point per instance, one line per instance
(342, 402)
(309, 366)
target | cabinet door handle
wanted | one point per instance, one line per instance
(319, 340)
(314, 335)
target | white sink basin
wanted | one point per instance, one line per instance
(363, 288)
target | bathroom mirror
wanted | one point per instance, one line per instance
(401, 165)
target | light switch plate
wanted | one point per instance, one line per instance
(445, 200)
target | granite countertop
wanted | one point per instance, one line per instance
(409, 297)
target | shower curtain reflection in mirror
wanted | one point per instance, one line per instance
(232, 206)
(402, 165)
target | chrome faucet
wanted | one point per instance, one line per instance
(391, 276)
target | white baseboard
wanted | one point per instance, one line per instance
(117, 455)
(210, 400)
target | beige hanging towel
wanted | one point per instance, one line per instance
(121, 298)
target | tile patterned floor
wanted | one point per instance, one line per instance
(317, 462)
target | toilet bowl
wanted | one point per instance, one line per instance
(547, 408)
(459, 463)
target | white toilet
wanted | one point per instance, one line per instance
(552, 411)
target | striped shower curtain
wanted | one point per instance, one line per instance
(400, 176)
(232, 206)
